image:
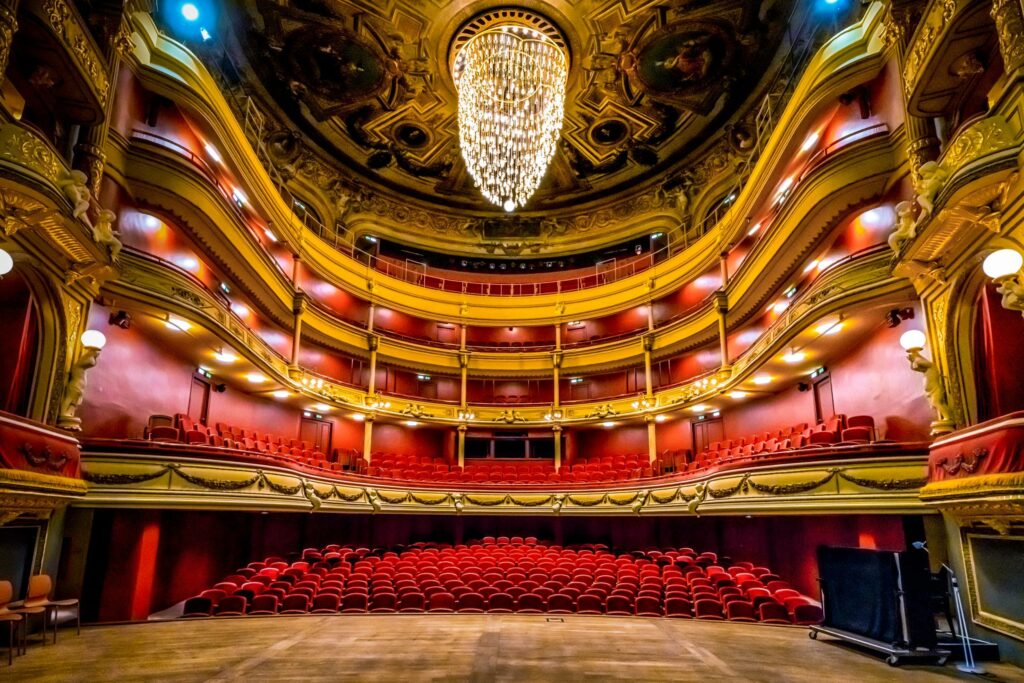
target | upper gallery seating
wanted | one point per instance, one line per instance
(508, 575)
(182, 428)
(838, 430)
(425, 468)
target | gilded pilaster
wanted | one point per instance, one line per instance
(1009, 18)
(8, 27)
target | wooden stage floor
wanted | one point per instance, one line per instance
(514, 648)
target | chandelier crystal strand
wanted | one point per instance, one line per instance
(511, 81)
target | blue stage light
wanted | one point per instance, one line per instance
(189, 11)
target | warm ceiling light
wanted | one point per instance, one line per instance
(812, 265)
(240, 310)
(212, 152)
(412, 423)
(830, 328)
(225, 357)
(794, 356)
(913, 340)
(93, 339)
(763, 379)
(281, 393)
(270, 234)
(780, 307)
(511, 82)
(358, 417)
(754, 229)
(1002, 263)
(699, 408)
(6, 263)
(178, 325)
(321, 407)
(737, 394)
(256, 378)
(660, 418)
(810, 142)
(607, 425)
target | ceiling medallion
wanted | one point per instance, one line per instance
(511, 74)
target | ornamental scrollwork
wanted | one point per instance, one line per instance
(968, 464)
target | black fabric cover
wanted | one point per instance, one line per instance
(861, 588)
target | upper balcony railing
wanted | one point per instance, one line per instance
(798, 46)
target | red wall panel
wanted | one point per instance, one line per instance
(402, 440)
(619, 440)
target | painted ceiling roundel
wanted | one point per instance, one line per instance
(363, 89)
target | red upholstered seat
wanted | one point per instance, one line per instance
(296, 603)
(232, 606)
(501, 603)
(411, 602)
(807, 614)
(619, 604)
(648, 606)
(705, 608)
(740, 610)
(471, 603)
(441, 602)
(560, 603)
(773, 613)
(354, 602)
(678, 607)
(197, 607)
(383, 602)
(530, 603)
(264, 604)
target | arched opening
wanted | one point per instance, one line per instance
(19, 343)
(998, 362)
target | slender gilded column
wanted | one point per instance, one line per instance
(556, 373)
(722, 304)
(368, 437)
(557, 431)
(652, 439)
(89, 155)
(558, 337)
(8, 27)
(462, 445)
(648, 342)
(1009, 19)
(373, 341)
(298, 309)
(369, 322)
(463, 376)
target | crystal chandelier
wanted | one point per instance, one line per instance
(511, 82)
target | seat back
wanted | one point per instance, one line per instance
(39, 587)
(6, 592)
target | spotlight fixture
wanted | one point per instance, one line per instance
(122, 319)
(895, 316)
(190, 11)
(220, 388)
(803, 386)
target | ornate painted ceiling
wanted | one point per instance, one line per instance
(360, 101)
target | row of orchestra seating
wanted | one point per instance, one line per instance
(184, 429)
(502, 575)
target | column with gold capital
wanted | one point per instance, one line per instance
(299, 304)
(652, 439)
(8, 27)
(368, 437)
(722, 306)
(557, 431)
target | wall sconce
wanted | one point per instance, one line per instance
(92, 342)
(1004, 266)
(466, 415)
(6, 263)
(643, 402)
(553, 415)
(913, 342)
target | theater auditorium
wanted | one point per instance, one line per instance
(511, 340)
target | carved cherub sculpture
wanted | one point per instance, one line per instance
(74, 392)
(103, 233)
(933, 386)
(906, 228)
(75, 187)
(931, 178)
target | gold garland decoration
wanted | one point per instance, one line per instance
(670, 498)
(792, 489)
(531, 503)
(616, 501)
(885, 484)
(398, 500)
(725, 493)
(488, 502)
(583, 502)
(216, 484)
(279, 488)
(122, 479)
(445, 497)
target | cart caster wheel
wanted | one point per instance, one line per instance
(892, 660)
(813, 635)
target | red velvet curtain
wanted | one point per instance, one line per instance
(999, 363)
